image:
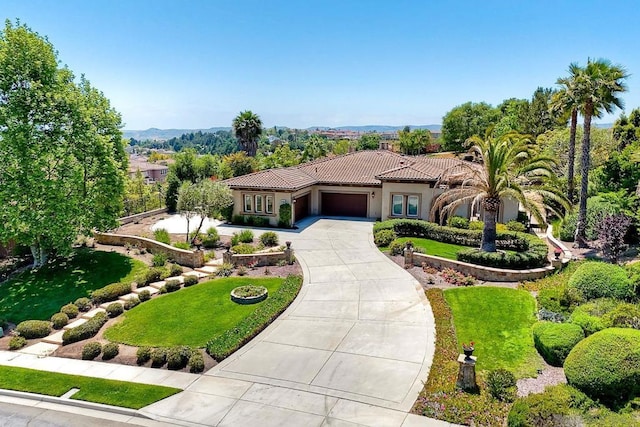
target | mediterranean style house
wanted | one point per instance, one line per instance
(377, 184)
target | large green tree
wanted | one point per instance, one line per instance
(509, 167)
(598, 87)
(63, 164)
(465, 121)
(413, 141)
(247, 127)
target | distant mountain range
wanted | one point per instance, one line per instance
(164, 134)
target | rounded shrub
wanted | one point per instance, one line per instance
(600, 280)
(174, 270)
(131, 302)
(501, 384)
(159, 259)
(144, 295)
(83, 304)
(143, 355)
(243, 248)
(606, 365)
(71, 310)
(458, 222)
(172, 285)
(110, 350)
(59, 320)
(196, 362)
(245, 236)
(269, 238)
(211, 238)
(91, 350)
(554, 341)
(624, 315)
(384, 237)
(158, 357)
(152, 275)
(178, 357)
(190, 280)
(34, 329)
(591, 316)
(516, 226)
(115, 309)
(17, 342)
(396, 247)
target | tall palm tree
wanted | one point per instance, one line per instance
(566, 100)
(247, 127)
(597, 86)
(509, 168)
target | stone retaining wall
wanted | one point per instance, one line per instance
(137, 217)
(265, 258)
(191, 259)
(478, 271)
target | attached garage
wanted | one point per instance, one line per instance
(302, 206)
(344, 204)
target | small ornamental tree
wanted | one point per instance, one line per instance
(611, 232)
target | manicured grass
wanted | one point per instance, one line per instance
(191, 316)
(39, 294)
(433, 247)
(499, 320)
(97, 390)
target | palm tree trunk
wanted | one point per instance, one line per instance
(488, 243)
(581, 235)
(572, 155)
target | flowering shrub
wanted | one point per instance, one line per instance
(456, 278)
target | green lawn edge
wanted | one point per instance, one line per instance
(96, 390)
(432, 247)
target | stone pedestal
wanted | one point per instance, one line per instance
(408, 256)
(226, 257)
(556, 263)
(288, 253)
(467, 373)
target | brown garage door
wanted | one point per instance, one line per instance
(342, 204)
(301, 207)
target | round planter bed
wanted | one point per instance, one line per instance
(249, 294)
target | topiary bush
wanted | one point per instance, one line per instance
(34, 329)
(172, 285)
(476, 225)
(143, 355)
(516, 226)
(91, 350)
(624, 315)
(174, 270)
(115, 309)
(284, 215)
(190, 280)
(83, 304)
(131, 302)
(501, 384)
(17, 342)
(554, 341)
(606, 365)
(71, 310)
(87, 330)
(600, 280)
(196, 362)
(110, 350)
(110, 292)
(384, 237)
(158, 357)
(458, 222)
(178, 357)
(152, 275)
(269, 238)
(554, 407)
(59, 320)
(396, 247)
(144, 295)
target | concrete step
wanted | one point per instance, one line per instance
(197, 274)
(54, 338)
(207, 269)
(91, 313)
(214, 262)
(178, 278)
(108, 303)
(75, 323)
(126, 297)
(41, 349)
(151, 290)
(157, 285)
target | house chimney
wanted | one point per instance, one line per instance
(384, 145)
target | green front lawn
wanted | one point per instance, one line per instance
(433, 247)
(191, 316)
(97, 390)
(39, 294)
(499, 320)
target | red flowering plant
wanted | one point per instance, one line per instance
(469, 347)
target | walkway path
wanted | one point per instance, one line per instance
(353, 349)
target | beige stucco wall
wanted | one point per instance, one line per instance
(374, 204)
(421, 190)
(278, 198)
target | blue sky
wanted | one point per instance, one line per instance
(197, 63)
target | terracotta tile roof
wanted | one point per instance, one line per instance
(359, 168)
(276, 179)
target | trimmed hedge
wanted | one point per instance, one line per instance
(190, 280)
(17, 342)
(91, 350)
(87, 330)
(196, 362)
(384, 237)
(554, 341)
(83, 304)
(531, 252)
(110, 292)
(59, 320)
(178, 357)
(34, 329)
(110, 350)
(606, 365)
(591, 316)
(228, 342)
(601, 280)
(71, 310)
(115, 309)
(143, 355)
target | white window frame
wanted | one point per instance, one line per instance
(417, 204)
(258, 203)
(248, 203)
(393, 204)
(268, 206)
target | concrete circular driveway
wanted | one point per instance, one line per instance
(353, 349)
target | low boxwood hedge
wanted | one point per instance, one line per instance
(34, 329)
(110, 292)
(606, 365)
(87, 330)
(601, 280)
(591, 317)
(531, 252)
(228, 342)
(554, 341)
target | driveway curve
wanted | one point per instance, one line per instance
(354, 348)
